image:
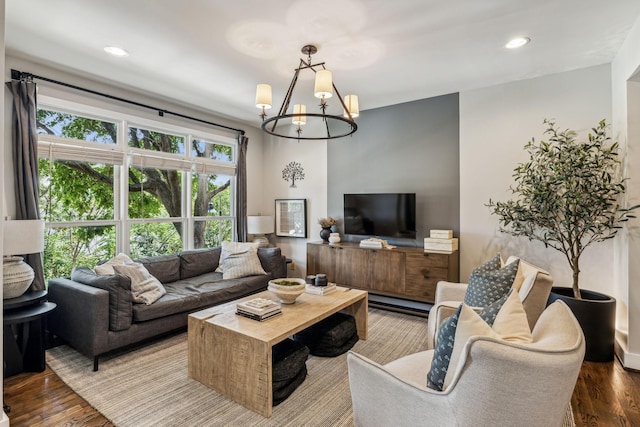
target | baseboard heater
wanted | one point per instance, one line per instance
(400, 305)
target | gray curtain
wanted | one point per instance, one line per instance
(241, 202)
(25, 163)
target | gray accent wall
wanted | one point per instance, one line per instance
(405, 148)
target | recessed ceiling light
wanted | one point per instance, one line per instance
(116, 51)
(517, 42)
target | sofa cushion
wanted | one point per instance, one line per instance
(198, 261)
(119, 288)
(165, 268)
(107, 267)
(272, 261)
(145, 288)
(198, 292)
(509, 324)
(490, 282)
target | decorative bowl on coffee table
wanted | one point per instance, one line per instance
(287, 290)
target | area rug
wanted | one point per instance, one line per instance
(149, 386)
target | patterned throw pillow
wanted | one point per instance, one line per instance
(489, 282)
(241, 264)
(505, 319)
(145, 288)
(445, 342)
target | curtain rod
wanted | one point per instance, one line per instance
(19, 75)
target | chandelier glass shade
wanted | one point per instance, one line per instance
(326, 125)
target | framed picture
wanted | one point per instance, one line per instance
(291, 218)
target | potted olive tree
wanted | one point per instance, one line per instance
(567, 196)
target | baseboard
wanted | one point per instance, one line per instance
(4, 421)
(627, 359)
(400, 305)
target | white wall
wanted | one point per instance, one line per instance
(626, 116)
(312, 155)
(495, 124)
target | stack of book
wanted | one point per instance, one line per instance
(321, 290)
(258, 309)
(441, 241)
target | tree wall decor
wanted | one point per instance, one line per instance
(293, 172)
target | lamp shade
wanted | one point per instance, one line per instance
(263, 96)
(23, 237)
(301, 117)
(351, 102)
(324, 84)
(259, 224)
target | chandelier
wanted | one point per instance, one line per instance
(328, 126)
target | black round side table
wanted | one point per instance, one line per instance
(24, 332)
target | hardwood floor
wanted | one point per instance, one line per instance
(42, 399)
(605, 395)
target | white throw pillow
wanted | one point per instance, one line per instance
(107, 267)
(242, 264)
(511, 324)
(229, 248)
(145, 288)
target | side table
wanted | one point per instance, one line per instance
(24, 332)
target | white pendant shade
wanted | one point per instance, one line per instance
(263, 96)
(351, 102)
(324, 84)
(300, 111)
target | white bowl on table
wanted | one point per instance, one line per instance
(287, 293)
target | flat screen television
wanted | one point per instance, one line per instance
(380, 215)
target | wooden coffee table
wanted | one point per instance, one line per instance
(232, 354)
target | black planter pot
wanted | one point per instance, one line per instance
(325, 233)
(596, 314)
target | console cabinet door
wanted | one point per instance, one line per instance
(386, 270)
(351, 267)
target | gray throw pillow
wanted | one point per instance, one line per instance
(489, 282)
(445, 342)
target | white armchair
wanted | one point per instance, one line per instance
(533, 283)
(497, 383)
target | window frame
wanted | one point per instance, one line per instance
(121, 150)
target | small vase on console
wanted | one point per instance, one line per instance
(325, 233)
(334, 238)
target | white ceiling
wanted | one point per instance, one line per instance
(211, 53)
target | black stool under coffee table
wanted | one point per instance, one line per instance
(330, 337)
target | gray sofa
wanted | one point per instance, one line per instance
(95, 314)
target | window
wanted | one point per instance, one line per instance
(109, 186)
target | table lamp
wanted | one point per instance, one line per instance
(258, 226)
(20, 237)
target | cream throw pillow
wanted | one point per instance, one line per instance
(229, 248)
(511, 324)
(239, 260)
(107, 267)
(145, 288)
